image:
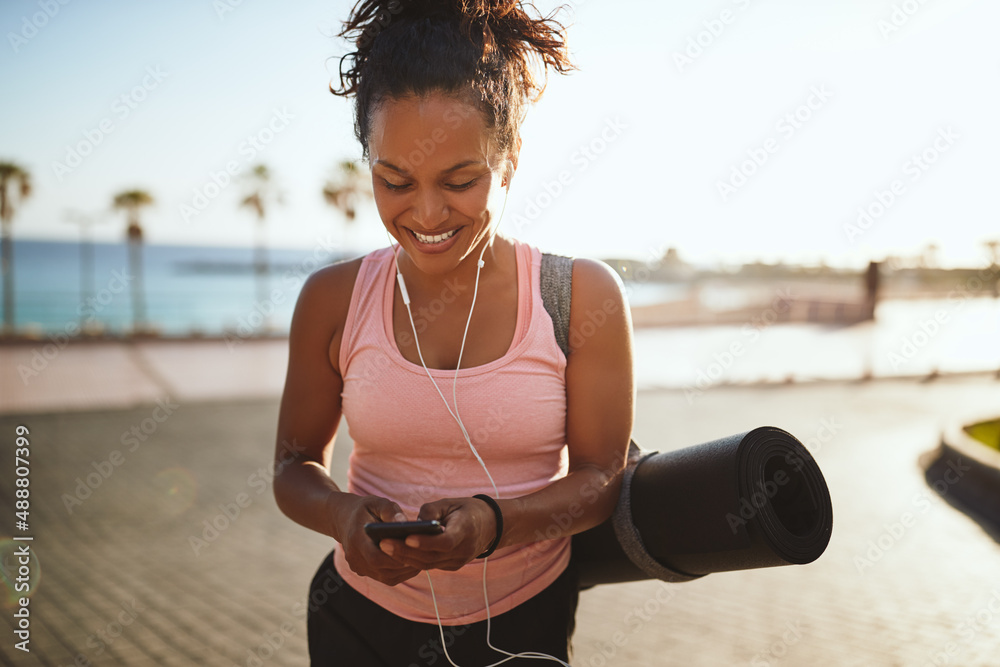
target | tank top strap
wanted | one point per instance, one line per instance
(366, 301)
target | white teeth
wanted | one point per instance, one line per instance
(434, 239)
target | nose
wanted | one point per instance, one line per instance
(429, 208)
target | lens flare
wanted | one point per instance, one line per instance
(175, 490)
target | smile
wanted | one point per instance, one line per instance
(440, 238)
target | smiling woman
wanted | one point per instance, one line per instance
(440, 89)
(424, 205)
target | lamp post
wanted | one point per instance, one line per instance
(87, 280)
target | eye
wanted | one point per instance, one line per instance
(462, 186)
(393, 187)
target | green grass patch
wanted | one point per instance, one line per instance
(987, 432)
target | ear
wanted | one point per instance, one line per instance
(512, 160)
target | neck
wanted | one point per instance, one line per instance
(462, 276)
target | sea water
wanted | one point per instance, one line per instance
(216, 291)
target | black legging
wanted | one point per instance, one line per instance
(346, 628)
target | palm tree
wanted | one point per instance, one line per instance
(131, 201)
(20, 181)
(262, 192)
(348, 186)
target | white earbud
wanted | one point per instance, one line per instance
(402, 286)
(510, 174)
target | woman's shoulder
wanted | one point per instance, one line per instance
(597, 298)
(333, 285)
(324, 301)
(596, 277)
(595, 284)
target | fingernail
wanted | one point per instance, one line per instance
(386, 548)
(412, 541)
(399, 517)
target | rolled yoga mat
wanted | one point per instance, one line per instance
(751, 500)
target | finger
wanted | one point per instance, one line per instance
(445, 541)
(389, 575)
(425, 558)
(399, 578)
(439, 510)
(379, 566)
(391, 548)
(387, 510)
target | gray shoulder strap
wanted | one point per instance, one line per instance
(556, 278)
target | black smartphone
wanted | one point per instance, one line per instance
(400, 529)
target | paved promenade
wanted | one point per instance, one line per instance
(142, 458)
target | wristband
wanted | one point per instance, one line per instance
(499, 516)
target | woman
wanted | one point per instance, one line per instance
(540, 437)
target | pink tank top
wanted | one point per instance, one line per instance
(409, 449)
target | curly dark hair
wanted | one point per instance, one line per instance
(482, 51)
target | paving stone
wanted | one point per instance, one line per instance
(131, 538)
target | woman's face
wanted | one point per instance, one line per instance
(438, 178)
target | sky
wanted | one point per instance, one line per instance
(835, 131)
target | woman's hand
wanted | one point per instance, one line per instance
(469, 529)
(361, 551)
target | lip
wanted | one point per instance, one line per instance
(434, 248)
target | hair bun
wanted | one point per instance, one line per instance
(493, 46)
(498, 27)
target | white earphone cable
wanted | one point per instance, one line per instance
(455, 416)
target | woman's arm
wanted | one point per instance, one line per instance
(600, 408)
(307, 425)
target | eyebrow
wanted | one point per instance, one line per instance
(453, 168)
